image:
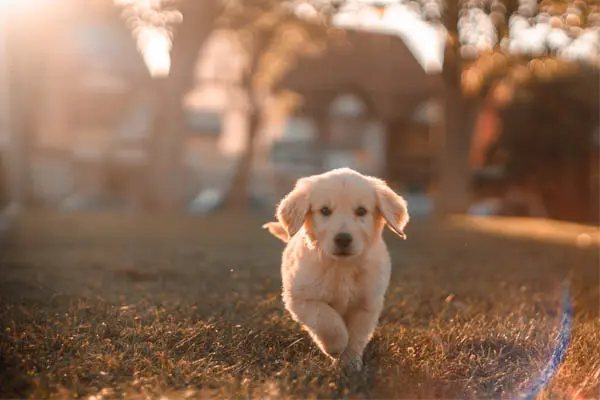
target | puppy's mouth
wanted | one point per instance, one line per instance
(343, 253)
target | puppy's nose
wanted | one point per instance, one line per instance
(343, 240)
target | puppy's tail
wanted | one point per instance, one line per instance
(277, 230)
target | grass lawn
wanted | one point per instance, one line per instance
(122, 306)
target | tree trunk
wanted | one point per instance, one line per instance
(594, 183)
(166, 145)
(165, 173)
(239, 192)
(453, 146)
(453, 134)
(238, 195)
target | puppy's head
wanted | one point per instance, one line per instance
(342, 211)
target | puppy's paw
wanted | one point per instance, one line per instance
(351, 362)
(333, 342)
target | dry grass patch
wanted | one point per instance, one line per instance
(115, 307)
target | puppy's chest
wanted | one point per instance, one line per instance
(342, 289)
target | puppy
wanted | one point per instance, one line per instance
(336, 266)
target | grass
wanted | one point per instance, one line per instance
(108, 306)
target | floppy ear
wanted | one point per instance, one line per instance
(277, 230)
(292, 210)
(393, 207)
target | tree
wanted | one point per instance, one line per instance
(541, 82)
(271, 34)
(187, 24)
(493, 48)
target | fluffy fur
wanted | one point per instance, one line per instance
(277, 230)
(337, 292)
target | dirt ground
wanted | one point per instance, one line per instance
(128, 306)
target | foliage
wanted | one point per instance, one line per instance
(505, 43)
(530, 46)
(488, 38)
(273, 37)
(270, 33)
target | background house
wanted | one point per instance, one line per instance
(366, 103)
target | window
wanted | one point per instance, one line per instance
(348, 122)
(356, 140)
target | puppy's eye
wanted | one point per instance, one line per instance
(360, 211)
(326, 211)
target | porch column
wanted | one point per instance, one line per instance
(452, 143)
(321, 120)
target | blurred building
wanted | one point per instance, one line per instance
(367, 104)
(90, 112)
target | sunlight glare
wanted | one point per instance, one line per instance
(16, 6)
(155, 47)
(424, 40)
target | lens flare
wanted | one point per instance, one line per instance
(560, 347)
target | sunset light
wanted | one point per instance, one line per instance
(154, 45)
(16, 6)
(395, 199)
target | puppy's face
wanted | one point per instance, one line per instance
(342, 211)
(343, 214)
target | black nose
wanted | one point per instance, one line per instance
(343, 240)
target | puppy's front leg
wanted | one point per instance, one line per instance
(324, 324)
(361, 323)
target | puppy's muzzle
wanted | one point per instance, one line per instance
(343, 242)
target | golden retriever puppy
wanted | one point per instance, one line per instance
(336, 266)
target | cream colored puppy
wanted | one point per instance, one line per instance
(336, 266)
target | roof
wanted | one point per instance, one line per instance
(378, 67)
